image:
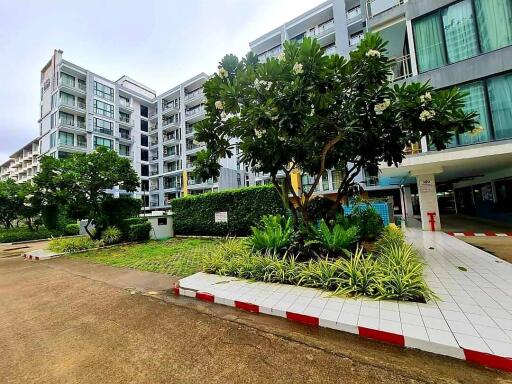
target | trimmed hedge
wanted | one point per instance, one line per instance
(12, 235)
(139, 232)
(195, 215)
(72, 229)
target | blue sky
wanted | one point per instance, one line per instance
(158, 43)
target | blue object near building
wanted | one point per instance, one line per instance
(382, 208)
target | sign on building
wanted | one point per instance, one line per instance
(221, 217)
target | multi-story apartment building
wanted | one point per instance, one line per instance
(81, 110)
(464, 43)
(22, 164)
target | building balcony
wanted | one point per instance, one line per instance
(126, 107)
(126, 137)
(75, 88)
(76, 107)
(126, 122)
(354, 15)
(170, 108)
(194, 94)
(354, 40)
(375, 7)
(321, 30)
(195, 114)
(170, 124)
(72, 125)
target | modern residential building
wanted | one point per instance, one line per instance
(464, 43)
(81, 110)
(23, 164)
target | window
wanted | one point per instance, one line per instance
(144, 170)
(124, 117)
(325, 182)
(104, 109)
(66, 138)
(162, 221)
(80, 121)
(66, 119)
(494, 26)
(53, 139)
(124, 150)
(144, 125)
(144, 155)
(102, 142)
(337, 178)
(67, 99)
(476, 101)
(67, 79)
(124, 101)
(428, 36)
(144, 111)
(500, 99)
(81, 141)
(144, 140)
(125, 134)
(103, 91)
(462, 30)
(103, 126)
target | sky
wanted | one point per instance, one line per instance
(156, 42)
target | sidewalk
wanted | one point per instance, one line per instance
(472, 322)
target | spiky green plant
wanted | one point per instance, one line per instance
(359, 275)
(275, 234)
(323, 274)
(336, 239)
(391, 235)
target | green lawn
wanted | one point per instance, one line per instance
(179, 257)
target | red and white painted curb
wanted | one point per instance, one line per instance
(479, 234)
(481, 358)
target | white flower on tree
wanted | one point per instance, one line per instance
(381, 107)
(427, 115)
(426, 97)
(298, 69)
(258, 84)
(219, 105)
(281, 56)
(373, 53)
(477, 130)
(223, 73)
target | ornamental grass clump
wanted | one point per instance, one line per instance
(275, 234)
(335, 240)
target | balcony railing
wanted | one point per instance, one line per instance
(354, 13)
(125, 119)
(402, 68)
(374, 7)
(196, 93)
(125, 104)
(105, 131)
(125, 135)
(170, 105)
(355, 39)
(321, 29)
(170, 122)
(73, 103)
(194, 111)
(274, 52)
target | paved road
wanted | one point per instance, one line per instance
(64, 321)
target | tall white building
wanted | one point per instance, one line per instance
(23, 164)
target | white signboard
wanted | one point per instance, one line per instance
(426, 185)
(221, 217)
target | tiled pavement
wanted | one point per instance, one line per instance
(472, 321)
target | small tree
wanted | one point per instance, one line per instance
(10, 202)
(81, 182)
(308, 112)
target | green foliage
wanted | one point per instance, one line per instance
(72, 229)
(80, 182)
(322, 208)
(10, 202)
(12, 235)
(336, 239)
(118, 210)
(369, 222)
(391, 235)
(111, 235)
(394, 273)
(73, 244)
(139, 232)
(195, 215)
(308, 112)
(275, 234)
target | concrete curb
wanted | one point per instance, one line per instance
(479, 234)
(28, 256)
(481, 358)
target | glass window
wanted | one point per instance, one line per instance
(66, 138)
(103, 91)
(102, 142)
(66, 118)
(337, 178)
(124, 117)
(476, 101)
(144, 155)
(81, 141)
(428, 36)
(53, 139)
(104, 109)
(500, 98)
(144, 111)
(67, 79)
(124, 150)
(124, 101)
(67, 99)
(459, 31)
(103, 126)
(80, 121)
(144, 141)
(494, 23)
(144, 125)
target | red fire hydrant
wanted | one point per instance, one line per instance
(432, 220)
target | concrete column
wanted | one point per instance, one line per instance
(428, 200)
(407, 202)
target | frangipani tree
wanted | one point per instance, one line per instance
(308, 112)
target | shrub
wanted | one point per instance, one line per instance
(336, 239)
(118, 212)
(321, 208)
(73, 244)
(195, 215)
(400, 274)
(111, 235)
(391, 235)
(359, 275)
(274, 235)
(13, 235)
(369, 222)
(72, 229)
(139, 232)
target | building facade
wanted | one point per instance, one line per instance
(23, 164)
(464, 43)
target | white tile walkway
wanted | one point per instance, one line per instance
(473, 320)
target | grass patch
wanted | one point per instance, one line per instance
(178, 257)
